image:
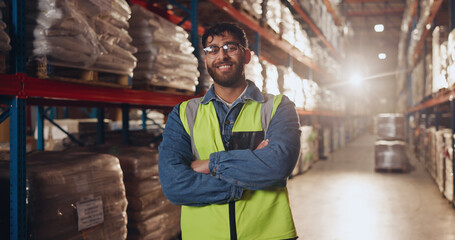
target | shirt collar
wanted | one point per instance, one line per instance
(252, 93)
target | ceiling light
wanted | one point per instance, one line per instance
(379, 28)
(355, 79)
(382, 56)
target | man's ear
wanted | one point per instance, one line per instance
(247, 56)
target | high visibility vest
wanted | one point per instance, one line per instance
(258, 215)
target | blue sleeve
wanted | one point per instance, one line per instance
(180, 184)
(267, 167)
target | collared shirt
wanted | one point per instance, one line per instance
(234, 170)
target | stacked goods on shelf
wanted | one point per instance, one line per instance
(440, 157)
(5, 40)
(88, 35)
(417, 76)
(271, 18)
(404, 37)
(425, 7)
(290, 84)
(164, 54)
(430, 151)
(150, 214)
(252, 7)
(390, 146)
(270, 73)
(326, 141)
(73, 196)
(311, 92)
(448, 161)
(439, 58)
(253, 71)
(111, 26)
(308, 148)
(429, 75)
(450, 62)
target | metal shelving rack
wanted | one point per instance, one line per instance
(19, 90)
(435, 104)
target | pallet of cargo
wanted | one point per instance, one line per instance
(163, 89)
(77, 75)
(403, 169)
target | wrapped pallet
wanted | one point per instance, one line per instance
(253, 72)
(440, 157)
(390, 155)
(448, 160)
(390, 126)
(272, 15)
(270, 73)
(165, 55)
(74, 196)
(150, 214)
(290, 84)
(311, 92)
(308, 148)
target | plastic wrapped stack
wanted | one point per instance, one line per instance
(439, 56)
(450, 59)
(390, 147)
(417, 32)
(74, 196)
(111, 26)
(253, 71)
(252, 7)
(270, 73)
(82, 34)
(291, 85)
(308, 148)
(4, 41)
(448, 173)
(164, 52)
(311, 92)
(440, 157)
(429, 75)
(272, 16)
(326, 142)
(417, 83)
(430, 151)
(150, 214)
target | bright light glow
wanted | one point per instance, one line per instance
(382, 56)
(379, 28)
(355, 79)
(428, 26)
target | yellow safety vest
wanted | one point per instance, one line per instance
(260, 214)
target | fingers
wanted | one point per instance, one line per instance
(263, 144)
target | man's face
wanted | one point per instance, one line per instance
(226, 68)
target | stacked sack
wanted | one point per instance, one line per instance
(150, 214)
(448, 161)
(311, 92)
(270, 73)
(164, 52)
(291, 85)
(73, 195)
(253, 71)
(4, 40)
(82, 34)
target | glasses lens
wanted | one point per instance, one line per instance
(231, 47)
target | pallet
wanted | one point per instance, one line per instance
(163, 89)
(403, 169)
(78, 75)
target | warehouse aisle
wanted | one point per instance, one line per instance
(342, 198)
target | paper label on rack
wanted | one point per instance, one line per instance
(89, 213)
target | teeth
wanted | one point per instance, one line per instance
(224, 66)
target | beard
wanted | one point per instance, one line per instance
(229, 79)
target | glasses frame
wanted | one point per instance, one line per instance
(224, 47)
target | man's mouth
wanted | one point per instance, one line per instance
(224, 66)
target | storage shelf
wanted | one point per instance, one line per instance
(31, 88)
(313, 26)
(443, 98)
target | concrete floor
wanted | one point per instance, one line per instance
(342, 198)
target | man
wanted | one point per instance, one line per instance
(226, 157)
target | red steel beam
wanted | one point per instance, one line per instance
(372, 13)
(332, 11)
(372, 1)
(447, 97)
(29, 87)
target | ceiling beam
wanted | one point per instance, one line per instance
(372, 13)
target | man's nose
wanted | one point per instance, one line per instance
(223, 53)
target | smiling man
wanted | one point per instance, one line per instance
(226, 157)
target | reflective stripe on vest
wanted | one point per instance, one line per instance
(259, 215)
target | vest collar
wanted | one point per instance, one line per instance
(252, 93)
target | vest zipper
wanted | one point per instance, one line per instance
(232, 224)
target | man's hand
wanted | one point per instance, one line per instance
(263, 144)
(201, 166)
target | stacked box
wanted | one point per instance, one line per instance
(390, 155)
(73, 196)
(150, 214)
(308, 148)
(165, 55)
(390, 126)
(439, 156)
(430, 151)
(439, 56)
(390, 147)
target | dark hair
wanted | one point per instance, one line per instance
(219, 28)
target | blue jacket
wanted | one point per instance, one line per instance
(236, 169)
